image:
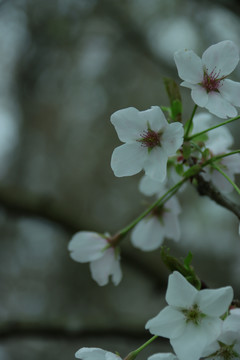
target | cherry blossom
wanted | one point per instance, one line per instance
(192, 319)
(227, 345)
(95, 354)
(207, 80)
(149, 141)
(86, 246)
(162, 223)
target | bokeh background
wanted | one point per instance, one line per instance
(65, 67)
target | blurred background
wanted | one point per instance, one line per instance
(65, 67)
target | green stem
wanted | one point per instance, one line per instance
(134, 353)
(218, 157)
(226, 177)
(190, 122)
(211, 128)
(160, 201)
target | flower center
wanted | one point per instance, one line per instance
(193, 314)
(150, 139)
(227, 352)
(211, 82)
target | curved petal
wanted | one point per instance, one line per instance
(148, 234)
(180, 292)
(215, 302)
(221, 58)
(219, 106)
(116, 271)
(90, 354)
(86, 246)
(230, 90)
(154, 117)
(102, 268)
(189, 66)
(169, 323)
(128, 123)
(171, 226)
(219, 140)
(172, 138)
(199, 95)
(149, 187)
(191, 343)
(163, 356)
(128, 159)
(155, 165)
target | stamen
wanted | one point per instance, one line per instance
(150, 139)
(211, 82)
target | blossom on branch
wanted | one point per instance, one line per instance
(192, 319)
(206, 77)
(149, 141)
(161, 223)
(95, 354)
(227, 345)
(86, 246)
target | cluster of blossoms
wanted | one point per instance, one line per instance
(199, 323)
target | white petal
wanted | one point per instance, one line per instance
(173, 205)
(86, 246)
(128, 159)
(149, 187)
(129, 124)
(219, 106)
(155, 118)
(148, 234)
(169, 323)
(116, 271)
(163, 356)
(172, 138)
(189, 66)
(215, 302)
(230, 90)
(90, 354)
(190, 344)
(180, 292)
(171, 226)
(219, 140)
(155, 165)
(101, 269)
(199, 95)
(222, 57)
(188, 85)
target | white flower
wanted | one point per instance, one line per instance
(206, 77)
(162, 223)
(86, 246)
(95, 354)
(163, 356)
(149, 141)
(218, 140)
(191, 320)
(227, 345)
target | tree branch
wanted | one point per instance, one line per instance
(22, 329)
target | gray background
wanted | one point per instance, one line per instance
(65, 67)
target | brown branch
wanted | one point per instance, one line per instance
(206, 188)
(23, 329)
